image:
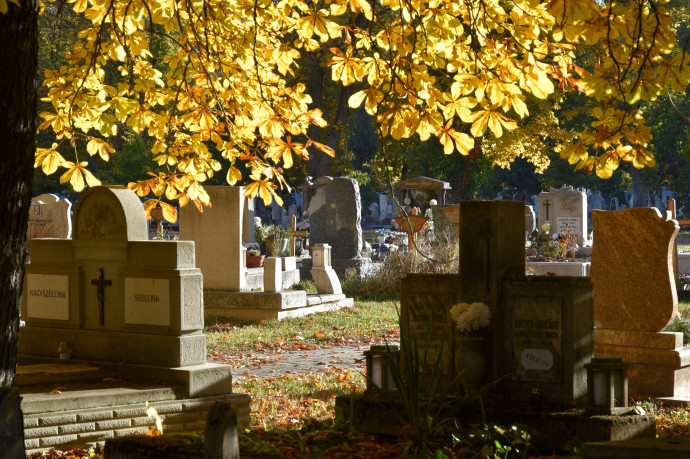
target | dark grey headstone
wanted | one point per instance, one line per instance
(221, 432)
(335, 218)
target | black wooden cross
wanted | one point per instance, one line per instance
(101, 283)
(547, 204)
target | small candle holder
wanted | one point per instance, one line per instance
(607, 386)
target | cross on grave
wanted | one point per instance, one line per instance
(100, 284)
(547, 204)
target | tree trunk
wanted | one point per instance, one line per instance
(18, 53)
(640, 188)
(318, 162)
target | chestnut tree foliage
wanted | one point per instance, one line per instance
(224, 93)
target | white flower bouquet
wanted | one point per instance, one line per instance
(470, 316)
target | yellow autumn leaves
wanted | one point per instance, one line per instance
(223, 94)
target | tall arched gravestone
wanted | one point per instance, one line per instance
(335, 217)
(635, 298)
(113, 296)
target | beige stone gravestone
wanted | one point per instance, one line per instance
(632, 269)
(50, 217)
(635, 298)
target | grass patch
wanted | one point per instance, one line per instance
(291, 401)
(366, 322)
(305, 284)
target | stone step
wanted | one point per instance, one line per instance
(643, 448)
(91, 395)
(28, 375)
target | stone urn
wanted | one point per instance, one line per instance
(470, 361)
(276, 247)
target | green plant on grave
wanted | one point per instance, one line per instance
(304, 284)
(277, 232)
(493, 440)
(680, 325)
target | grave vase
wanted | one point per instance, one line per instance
(276, 247)
(255, 261)
(470, 361)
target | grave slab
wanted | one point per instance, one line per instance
(50, 217)
(549, 339)
(542, 268)
(271, 305)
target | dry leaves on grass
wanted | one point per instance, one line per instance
(287, 401)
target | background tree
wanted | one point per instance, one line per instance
(226, 95)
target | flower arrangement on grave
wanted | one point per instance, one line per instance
(302, 225)
(278, 232)
(557, 246)
(470, 317)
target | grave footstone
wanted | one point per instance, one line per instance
(325, 277)
(221, 441)
(113, 296)
(635, 298)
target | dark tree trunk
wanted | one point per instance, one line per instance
(18, 54)
(317, 165)
(640, 188)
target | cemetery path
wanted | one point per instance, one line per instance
(284, 362)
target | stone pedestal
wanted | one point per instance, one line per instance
(325, 278)
(273, 281)
(659, 363)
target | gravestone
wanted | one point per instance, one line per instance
(335, 214)
(612, 206)
(565, 208)
(374, 212)
(540, 331)
(635, 298)
(544, 317)
(50, 217)
(113, 296)
(530, 219)
(491, 247)
(218, 235)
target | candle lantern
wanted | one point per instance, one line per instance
(378, 359)
(607, 386)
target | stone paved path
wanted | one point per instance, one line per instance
(268, 365)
